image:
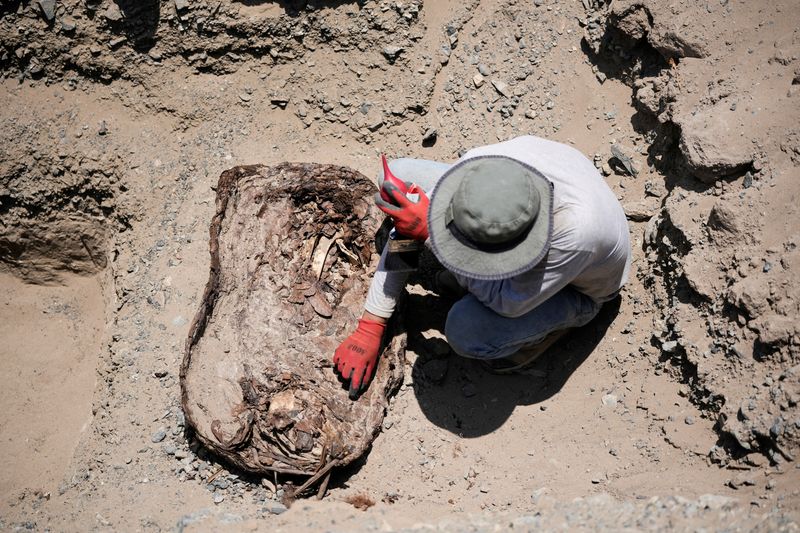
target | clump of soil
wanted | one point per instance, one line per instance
(58, 209)
(360, 501)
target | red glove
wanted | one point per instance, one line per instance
(355, 358)
(388, 176)
(410, 219)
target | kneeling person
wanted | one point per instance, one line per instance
(527, 228)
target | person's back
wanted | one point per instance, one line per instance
(589, 225)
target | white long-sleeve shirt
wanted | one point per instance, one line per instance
(590, 248)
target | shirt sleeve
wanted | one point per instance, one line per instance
(385, 289)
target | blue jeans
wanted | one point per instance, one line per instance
(472, 329)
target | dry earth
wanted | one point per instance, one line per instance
(676, 408)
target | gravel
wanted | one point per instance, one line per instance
(275, 508)
(159, 436)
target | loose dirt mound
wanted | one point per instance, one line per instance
(722, 272)
(291, 255)
(58, 209)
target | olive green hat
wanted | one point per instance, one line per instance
(491, 218)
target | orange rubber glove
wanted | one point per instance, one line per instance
(355, 358)
(410, 218)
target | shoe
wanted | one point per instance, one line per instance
(446, 286)
(525, 357)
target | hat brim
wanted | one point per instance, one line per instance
(470, 261)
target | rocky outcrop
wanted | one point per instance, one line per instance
(722, 266)
(652, 21)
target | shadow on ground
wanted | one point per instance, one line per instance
(459, 395)
(139, 22)
(294, 7)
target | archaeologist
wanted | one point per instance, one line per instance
(529, 232)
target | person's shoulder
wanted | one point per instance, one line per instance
(507, 148)
(546, 145)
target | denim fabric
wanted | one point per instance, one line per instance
(473, 330)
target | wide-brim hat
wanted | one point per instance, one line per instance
(491, 217)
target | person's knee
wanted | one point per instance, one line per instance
(456, 331)
(464, 334)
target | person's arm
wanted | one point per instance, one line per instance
(374, 318)
(384, 290)
(356, 357)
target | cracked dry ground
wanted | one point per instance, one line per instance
(676, 409)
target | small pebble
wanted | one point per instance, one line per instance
(275, 508)
(159, 435)
(689, 420)
(609, 400)
(430, 136)
(669, 346)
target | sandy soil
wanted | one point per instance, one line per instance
(632, 421)
(52, 338)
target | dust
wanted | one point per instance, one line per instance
(677, 408)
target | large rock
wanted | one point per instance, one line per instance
(712, 146)
(775, 329)
(48, 8)
(674, 43)
(291, 249)
(654, 21)
(702, 275)
(750, 294)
